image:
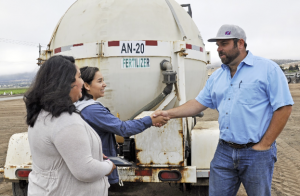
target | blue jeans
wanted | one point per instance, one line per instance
(231, 166)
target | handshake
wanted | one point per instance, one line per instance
(159, 118)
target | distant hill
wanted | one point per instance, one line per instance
(21, 76)
(278, 61)
(284, 61)
(214, 65)
(22, 80)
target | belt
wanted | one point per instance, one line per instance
(239, 146)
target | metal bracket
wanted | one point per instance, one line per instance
(189, 9)
(179, 47)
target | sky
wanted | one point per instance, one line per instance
(272, 27)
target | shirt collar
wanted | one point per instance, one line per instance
(248, 60)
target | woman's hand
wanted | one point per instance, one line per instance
(113, 168)
(104, 157)
(159, 121)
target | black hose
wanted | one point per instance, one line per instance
(167, 90)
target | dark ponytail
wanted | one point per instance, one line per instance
(87, 75)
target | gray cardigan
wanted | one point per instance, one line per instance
(67, 158)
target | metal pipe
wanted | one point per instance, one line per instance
(166, 66)
(176, 19)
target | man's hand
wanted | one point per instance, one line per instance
(159, 118)
(190, 108)
(278, 121)
(160, 113)
(260, 147)
(113, 168)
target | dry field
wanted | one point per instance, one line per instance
(286, 179)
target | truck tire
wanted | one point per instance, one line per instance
(20, 188)
(200, 190)
(289, 80)
(203, 191)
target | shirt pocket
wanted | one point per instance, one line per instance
(247, 93)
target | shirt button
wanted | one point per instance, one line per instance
(226, 113)
(231, 84)
(226, 127)
(228, 98)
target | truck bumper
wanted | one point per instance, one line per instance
(151, 174)
(203, 173)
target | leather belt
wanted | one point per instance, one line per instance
(239, 146)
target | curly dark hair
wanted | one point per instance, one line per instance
(87, 75)
(51, 88)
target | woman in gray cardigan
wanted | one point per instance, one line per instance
(66, 152)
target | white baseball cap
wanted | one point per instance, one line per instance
(229, 32)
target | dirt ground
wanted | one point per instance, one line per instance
(286, 179)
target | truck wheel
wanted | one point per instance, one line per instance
(20, 188)
(289, 80)
(200, 190)
(203, 191)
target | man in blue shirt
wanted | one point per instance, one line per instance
(254, 103)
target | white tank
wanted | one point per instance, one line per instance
(127, 40)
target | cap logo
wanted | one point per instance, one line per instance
(227, 32)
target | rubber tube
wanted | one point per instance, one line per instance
(167, 90)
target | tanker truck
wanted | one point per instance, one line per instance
(152, 56)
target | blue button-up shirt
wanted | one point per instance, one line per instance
(246, 101)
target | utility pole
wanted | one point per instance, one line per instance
(39, 59)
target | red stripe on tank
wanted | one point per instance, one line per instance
(57, 50)
(188, 46)
(113, 43)
(151, 43)
(77, 45)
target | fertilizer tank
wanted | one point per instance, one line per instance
(152, 56)
(127, 40)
